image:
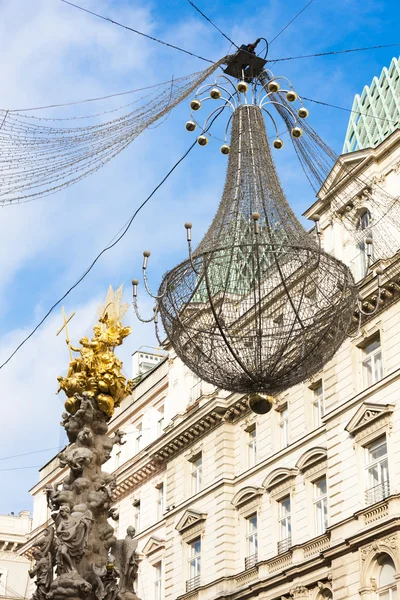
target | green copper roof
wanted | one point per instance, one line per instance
(379, 108)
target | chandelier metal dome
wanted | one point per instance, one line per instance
(258, 306)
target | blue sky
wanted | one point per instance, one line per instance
(53, 53)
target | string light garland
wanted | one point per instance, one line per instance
(38, 159)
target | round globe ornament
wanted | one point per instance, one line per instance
(215, 94)
(225, 149)
(259, 404)
(273, 86)
(190, 126)
(278, 144)
(291, 96)
(202, 140)
(242, 87)
(297, 132)
(195, 104)
(303, 112)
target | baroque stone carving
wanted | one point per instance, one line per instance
(77, 546)
(127, 562)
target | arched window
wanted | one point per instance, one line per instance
(387, 587)
(361, 261)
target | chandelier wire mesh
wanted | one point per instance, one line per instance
(258, 306)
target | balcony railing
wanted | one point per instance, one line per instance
(193, 584)
(377, 493)
(250, 561)
(284, 545)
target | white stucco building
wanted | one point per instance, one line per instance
(303, 502)
(14, 533)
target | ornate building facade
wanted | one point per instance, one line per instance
(14, 533)
(301, 503)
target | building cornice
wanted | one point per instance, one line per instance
(197, 424)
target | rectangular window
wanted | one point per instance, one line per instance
(251, 541)
(252, 447)
(158, 581)
(372, 363)
(194, 565)
(197, 470)
(136, 515)
(284, 427)
(321, 505)
(138, 438)
(285, 525)
(318, 404)
(160, 501)
(196, 389)
(377, 471)
(160, 422)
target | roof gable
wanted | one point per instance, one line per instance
(189, 520)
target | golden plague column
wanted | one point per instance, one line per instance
(80, 547)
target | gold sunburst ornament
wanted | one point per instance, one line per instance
(97, 371)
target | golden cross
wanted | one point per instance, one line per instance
(65, 326)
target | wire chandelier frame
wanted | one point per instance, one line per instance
(258, 306)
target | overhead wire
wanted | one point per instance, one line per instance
(150, 37)
(106, 249)
(213, 24)
(275, 60)
(290, 22)
(109, 246)
(27, 453)
(370, 116)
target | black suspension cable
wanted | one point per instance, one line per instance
(111, 245)
(213, 24)
(333, 52)
(98, 256)
(349, 110)
(136, 31)
(290, 22)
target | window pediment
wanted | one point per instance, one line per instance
(246, 496)
(190, 520)
(369, 415)
(279, 479)
(311, 458)
(153, 544)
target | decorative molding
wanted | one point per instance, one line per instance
(246, 496)
(279, 479)
(299, 592)
(376, 513)
(191, 522)
(280, 562)
(247, 577)
(152, 545)
(316, 546)
(311, 457)
(369, 417)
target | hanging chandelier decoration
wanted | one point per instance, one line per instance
(258, 306)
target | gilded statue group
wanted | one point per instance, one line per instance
(78, 557)
(97, 371)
